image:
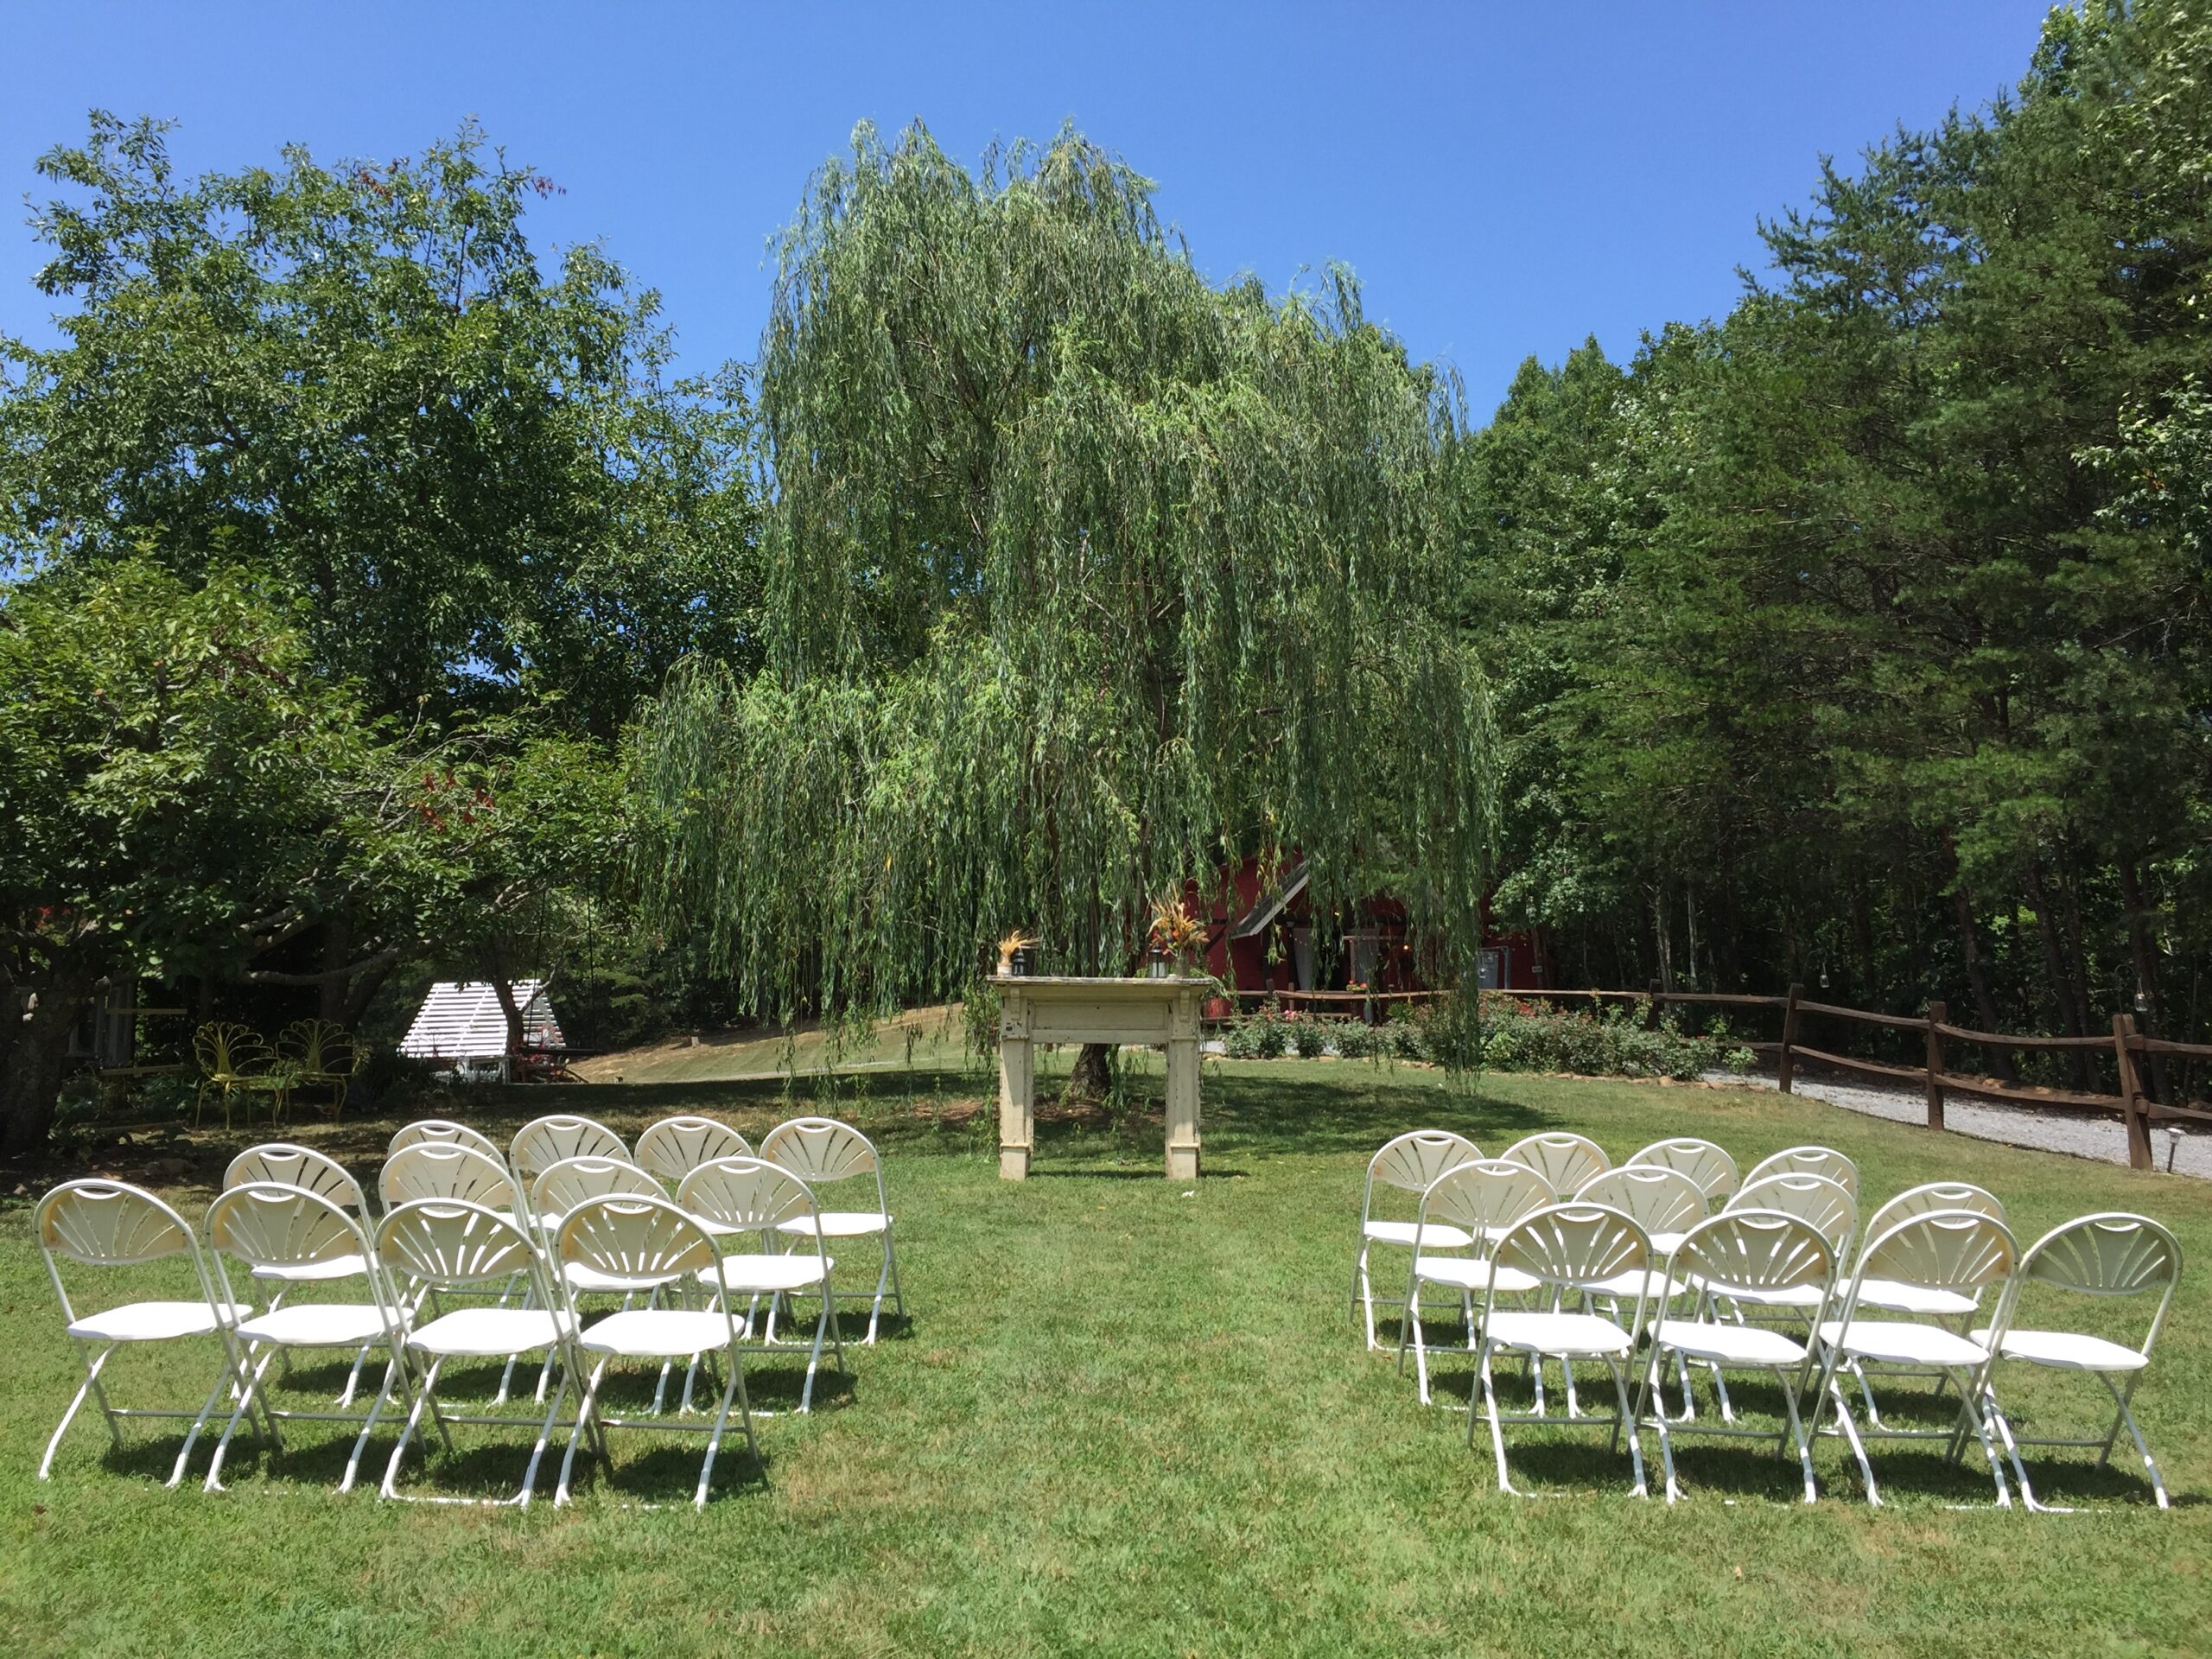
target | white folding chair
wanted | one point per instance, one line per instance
(1569, 1248)
(1810, 1160)
(2110, 1257)
(1920, 1201)
(442, 1131)
(566, 1183)
(751, 1195)
(1477, 1202)
(288, 1165)
(459, 1247)
(652, 1242)
(1832, 1213)
(674, 1146)
(1960, 1250)
(1565, 1161)
(1408, 1163)
(544, 1141)
(265, 1223)
(821, 1151)
(559, 1188)
(1709, 1165)
(435, 1169)
(1749, 1251)
(1665, 1202)
(111, 1224)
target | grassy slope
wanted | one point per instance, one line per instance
(1125, 1419)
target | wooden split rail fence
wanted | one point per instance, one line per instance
(2127, 1046)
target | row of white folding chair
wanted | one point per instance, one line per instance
(1566, 1162)
(820, 1150)
(285, 1232)
(451, 1171)
(1964, 1253)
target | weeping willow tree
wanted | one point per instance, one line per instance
(1090, 577)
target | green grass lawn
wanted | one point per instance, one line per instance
(1132, 1417)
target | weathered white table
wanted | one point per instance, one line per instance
(1154, 1013)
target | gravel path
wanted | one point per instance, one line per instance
(2047, 1131)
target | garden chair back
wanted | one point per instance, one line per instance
(1663, 1201)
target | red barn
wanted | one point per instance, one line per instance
(1276, 943)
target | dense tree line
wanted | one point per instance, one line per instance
(1861, 637)
(380, 603)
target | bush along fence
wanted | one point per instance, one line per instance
(2130, 1051)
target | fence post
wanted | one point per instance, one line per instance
(1783, 1067)
(2131, 1103)
(1652, 1014)
(1936, 1014)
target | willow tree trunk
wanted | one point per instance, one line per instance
(1092, 1077)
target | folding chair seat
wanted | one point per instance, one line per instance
(1809, 1161)
(1476, 1201)
(1407, 1163)
(1959, 1250)
(1892, 1297)
(1710, 1166)
(440, 1131)
(1748, 1251)
(751, 1195)
(1569, 1249)
(1565, 1161)
(653, 1242)
(266, 1223)
(674, 1146)
(821, 1151)
(459, 1247)
(109, 1225)
(2110, 1256)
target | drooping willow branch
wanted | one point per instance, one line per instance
(1093, 578)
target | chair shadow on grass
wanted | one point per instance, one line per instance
(1580, 1459)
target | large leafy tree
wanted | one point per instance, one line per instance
(360, 378)
(172, 770)
(1090, 576)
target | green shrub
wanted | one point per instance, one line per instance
(1534, 1036)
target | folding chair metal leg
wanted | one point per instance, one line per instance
(1625, 1424)
(1489, 1411)
(1851, 1434)
(1654, 1389)
(587, 1418)
(91, 1377)
(1968, 1396)
(1789, 1391)
(394, 1376)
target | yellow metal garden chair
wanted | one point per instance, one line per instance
(322, 1054)
(233, 1060)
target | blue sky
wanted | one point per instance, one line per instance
(1505, 179)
